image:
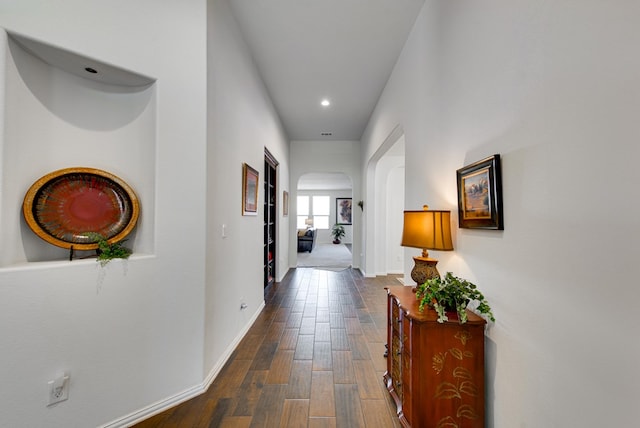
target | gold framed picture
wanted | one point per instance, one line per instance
(249, 190)
(480, 195)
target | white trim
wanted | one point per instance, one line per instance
(371, 230)
(215, 370)
(283, 275)
(162, 405)
(367, 275)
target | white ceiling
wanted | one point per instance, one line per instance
(342, 50)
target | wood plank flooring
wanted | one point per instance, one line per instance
(313, 358)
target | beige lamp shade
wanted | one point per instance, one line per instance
(427, 229)
(309, 222)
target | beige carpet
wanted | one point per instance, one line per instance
(330, 256)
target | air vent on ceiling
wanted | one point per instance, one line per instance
(326, 134)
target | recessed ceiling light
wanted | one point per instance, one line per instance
(325, 103)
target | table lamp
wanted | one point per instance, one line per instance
(309, 223)
(429, 230)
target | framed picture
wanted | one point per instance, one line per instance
(285, 203)
(343, 210)
(249, 190)
(480, 195)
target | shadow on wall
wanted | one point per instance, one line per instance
(81, 101)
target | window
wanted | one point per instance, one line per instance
(316, 208)
(320, 212)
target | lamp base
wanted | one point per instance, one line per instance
(424, 268)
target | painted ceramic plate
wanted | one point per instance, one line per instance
(64, 206)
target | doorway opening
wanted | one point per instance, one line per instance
(270, 218)
(385, 195)
(324, 200)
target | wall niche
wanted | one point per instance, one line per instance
(60, 109)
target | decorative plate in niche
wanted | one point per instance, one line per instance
(63, 206)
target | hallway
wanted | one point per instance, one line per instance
(334, 256)
(313, 358)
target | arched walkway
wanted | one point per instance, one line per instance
(385, 197)
(320, 202)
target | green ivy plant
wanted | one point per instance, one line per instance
(106, 251)
(451, 293)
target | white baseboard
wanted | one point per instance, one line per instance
(366, 274)
(158, 407)
(169, 402)
(279, 279)
(213, 373)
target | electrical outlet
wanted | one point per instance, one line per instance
(58, 389)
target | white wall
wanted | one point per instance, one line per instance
(394, 255)
(326, 156)
(389, 205)
(242, 122)
(552, 87)
(155, 330)
(136, 338)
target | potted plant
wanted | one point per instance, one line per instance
(453, 294)
(337, 231)
(107, 251)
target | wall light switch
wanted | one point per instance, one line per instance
(224, 230)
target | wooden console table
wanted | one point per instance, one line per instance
(435, 372)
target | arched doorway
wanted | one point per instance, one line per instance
(323, 200)
(385, 197)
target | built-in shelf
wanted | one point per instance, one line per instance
(59, 113)
(270, 217)
(33, 266)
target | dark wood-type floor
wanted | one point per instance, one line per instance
(313, 358)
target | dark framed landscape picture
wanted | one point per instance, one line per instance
(343, 210)
(480, 195)
(249, 190)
